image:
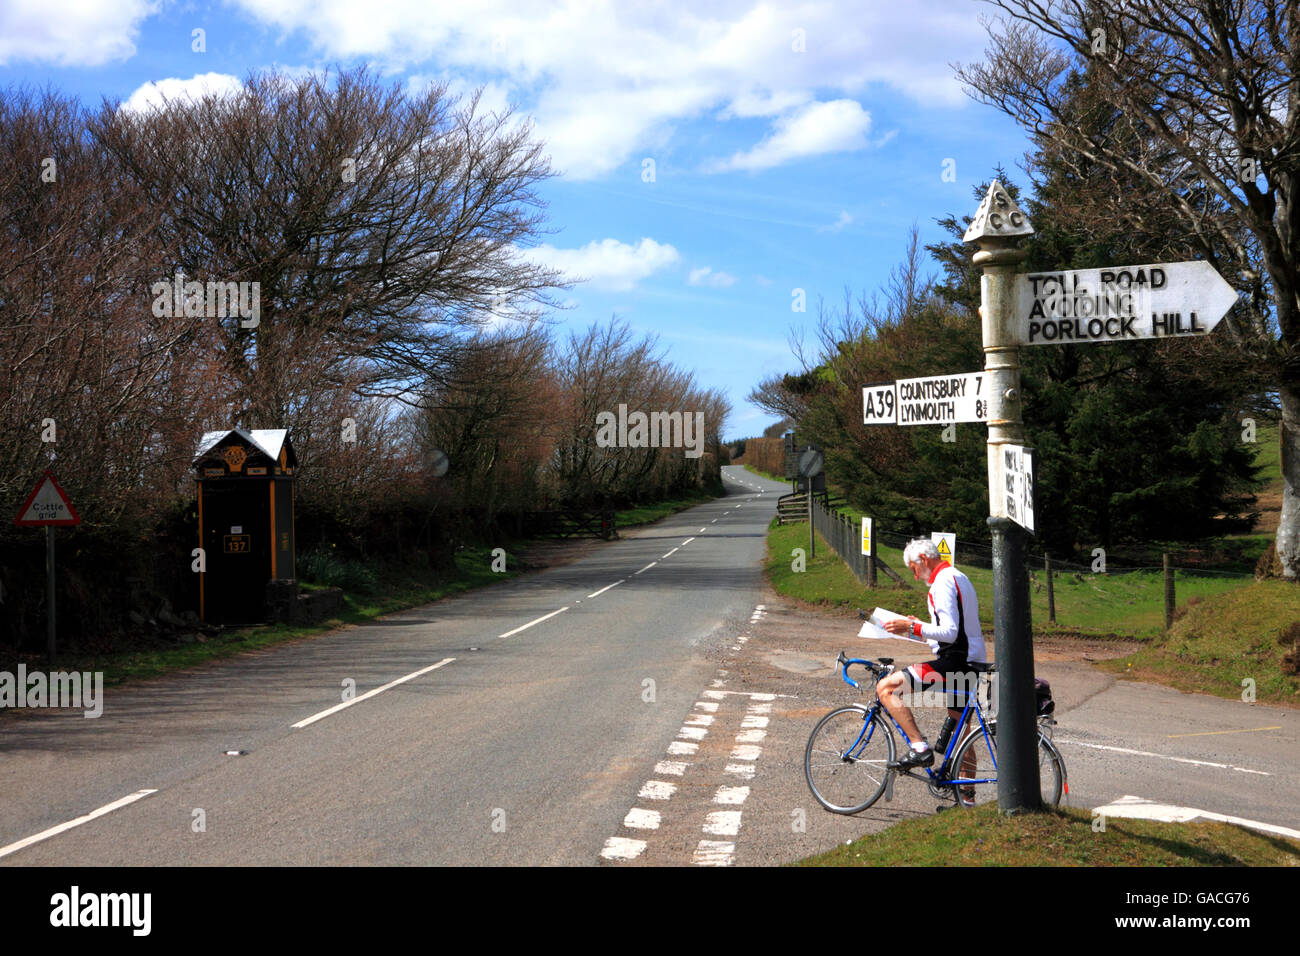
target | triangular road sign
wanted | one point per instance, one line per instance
(47, 505)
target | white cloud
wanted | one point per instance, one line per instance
(706, 276)
(606, 82)
(608, 264)
(71, 32)
(839, 224)
(834, 127)
(153, 95)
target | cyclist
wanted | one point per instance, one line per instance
(953, 633)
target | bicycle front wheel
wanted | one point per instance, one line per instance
(845, 762)
(975, 773)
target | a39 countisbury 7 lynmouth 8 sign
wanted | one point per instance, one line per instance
(1120, 303)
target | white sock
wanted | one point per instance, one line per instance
(920, 746)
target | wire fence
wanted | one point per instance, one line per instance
(1143, 584)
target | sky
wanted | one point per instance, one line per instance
(716, 161)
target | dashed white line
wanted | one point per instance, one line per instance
(647, 567)
(746, 752)
(700, 720)
(539, 620)
(693, 733)
(62, 827)
(733, 796)
(622, 848)
(370, 693)
(708, 706)
(657, 790)
(682, 748)
(670, 553)
(687, 541)
(745, 770)
(638, 819)
(751, 736)
(713, 853)
(606, 588)
(671, 768)
(722, 823)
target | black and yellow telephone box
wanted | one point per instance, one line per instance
(246, 498)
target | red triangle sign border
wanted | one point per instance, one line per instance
(48, 476)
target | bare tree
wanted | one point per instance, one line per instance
(1204, 98)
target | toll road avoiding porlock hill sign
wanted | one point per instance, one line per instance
(1120, 303)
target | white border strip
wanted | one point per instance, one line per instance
(370, 693)
(56, 830)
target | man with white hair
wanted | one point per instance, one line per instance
(953, 633)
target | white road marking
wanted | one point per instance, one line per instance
(708, 706)
(622, 848)
(713, 853)
(647, 567)
(657, 790)
(687, 541)
(680, 748)
(751, 736)
(722, 823)
(638, 819)
(1147, 753)
(699, 720)
(714, 521)
(702, 530)
(606, 588)
(670, 553)
(752, 720)
(370, 693)
(745, 770)
(62, 827)
(759, 709)
(746, 752)
(537, 621)
(1143, 809)
(731, 795)
(693, 733)
(671, 768)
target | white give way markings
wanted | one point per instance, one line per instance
(1142, 809)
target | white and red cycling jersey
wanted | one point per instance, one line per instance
(954, 622)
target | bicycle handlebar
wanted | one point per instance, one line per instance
(847, 662)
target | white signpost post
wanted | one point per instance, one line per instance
(1120, 304)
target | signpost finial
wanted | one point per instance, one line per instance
(998, 217)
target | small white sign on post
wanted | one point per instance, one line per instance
(866, 536)
(1018, 474)
(946, 542)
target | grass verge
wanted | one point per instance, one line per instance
(1130, 604)
(1225, 645)
(1060, 837)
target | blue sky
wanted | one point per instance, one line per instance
(793, 144)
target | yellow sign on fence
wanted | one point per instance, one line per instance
(866, 536)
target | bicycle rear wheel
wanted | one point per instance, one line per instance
(846, 757)
(976, 776)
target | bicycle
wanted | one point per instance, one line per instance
(846, 762)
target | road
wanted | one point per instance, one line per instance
(647, 704)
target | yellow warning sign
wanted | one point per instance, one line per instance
(866, 536)
(946, 542)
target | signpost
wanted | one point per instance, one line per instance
(810, 466)
(1114, 304)
(1120, 304)
(934, 400)
(47, 506)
